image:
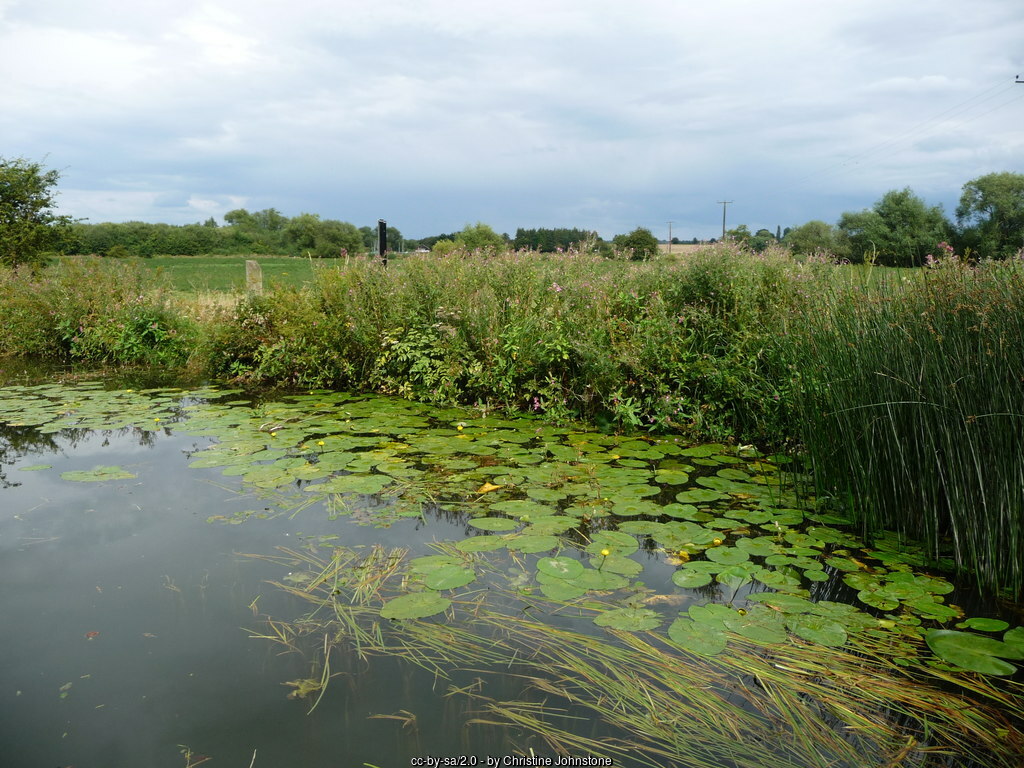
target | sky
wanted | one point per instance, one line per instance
(434, 114)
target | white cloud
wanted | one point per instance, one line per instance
(449, 109)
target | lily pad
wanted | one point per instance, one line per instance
(494, 524)
(560, 567)
(984, 625)
(629, 619)
(97, 475)
(702, 640)
(416, 605)
(727, 555)
(690, 579)
(449, 577)
(480, 544)
(976, 653)
(817, 629)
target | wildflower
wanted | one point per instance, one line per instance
(156, 419)
(605, 552)
(319, 442)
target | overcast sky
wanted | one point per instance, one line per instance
(564, 113)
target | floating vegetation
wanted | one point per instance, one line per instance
(672, 590)
(724, 687)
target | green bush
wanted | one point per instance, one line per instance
(88, 310)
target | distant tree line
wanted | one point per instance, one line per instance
(901, 230)
(244, 232)
(551, 240)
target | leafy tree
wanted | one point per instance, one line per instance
(814, 237)
(550, 240)
(899, 231)
(28, 225)
(991, 214)
(308, 234)
(640, 244)
(479, 236)
(740, 234)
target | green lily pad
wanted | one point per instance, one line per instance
(415, 606)
(761, 624)
(560, 567)
(698, 496)
(480, 544)
(1015, 637)
(817, 629)
(603, 581)
(449, 577)
(698, 639)
(735, 576)
(615, 542)
(616, 564)
(97, 474)
(561, 590)
(976, 653)
(727, 555)
(690, 579)
(875, 600)
(35, 467)
(629, 619)
(494, 523)
(984, 625)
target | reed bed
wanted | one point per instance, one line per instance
(911, 410)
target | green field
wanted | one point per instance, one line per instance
(227, 273)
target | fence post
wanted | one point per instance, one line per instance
(253, 277)
(382, 241)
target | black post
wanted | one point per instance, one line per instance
(382, 241)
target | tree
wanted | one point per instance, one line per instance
(899, 231)
(640, 244)
(991, 214)
(815, 237)
(310, 235)
(28, 225)
(479, 236)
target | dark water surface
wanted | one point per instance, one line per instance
(124, 624)
(127, 606)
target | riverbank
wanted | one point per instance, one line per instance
(904, 392)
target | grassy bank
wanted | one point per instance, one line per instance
(905, 391)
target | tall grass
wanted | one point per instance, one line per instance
(906, 391)
(667, 345)
(911, 408)
(89, 310)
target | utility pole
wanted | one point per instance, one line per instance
(670, 237)
(724, 203)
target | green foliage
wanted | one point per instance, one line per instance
(87, 310)
(991, 215)
(309, 235)
(638, 245)
(28, 225)
(551, 240)
(816, 237)
(477, 237)
(908, 400)
(900, 230)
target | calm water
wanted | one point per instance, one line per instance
(171, 662)
(127, 615)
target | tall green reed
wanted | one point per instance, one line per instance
(911, 408)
